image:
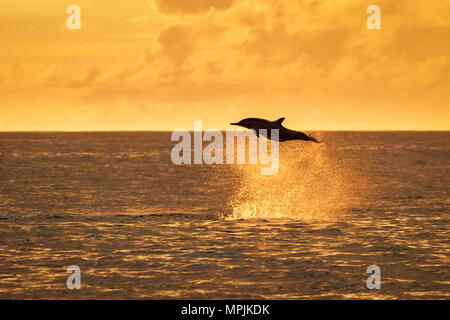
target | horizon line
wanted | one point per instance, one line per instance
(237, 129)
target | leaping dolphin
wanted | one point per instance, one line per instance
(284, 134)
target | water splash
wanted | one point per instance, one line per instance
(310, 184)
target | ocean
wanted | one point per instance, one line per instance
(140, 227)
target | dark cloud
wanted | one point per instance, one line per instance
(176, 44)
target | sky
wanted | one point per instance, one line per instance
(162, 64)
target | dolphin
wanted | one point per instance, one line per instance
(255, 124)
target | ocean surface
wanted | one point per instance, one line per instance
(140, 227)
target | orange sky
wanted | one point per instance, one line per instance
(161, 64)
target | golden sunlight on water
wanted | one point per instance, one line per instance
(310, 184)
(139, 226)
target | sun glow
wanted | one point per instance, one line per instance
(161, 64)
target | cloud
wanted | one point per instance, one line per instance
(191, 6)
(176, 44)
(56, 78)
(92, 73)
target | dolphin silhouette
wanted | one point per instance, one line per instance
(284, 134)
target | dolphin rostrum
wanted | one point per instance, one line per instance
(255, 124)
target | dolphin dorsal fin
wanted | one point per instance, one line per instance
(279, 121)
